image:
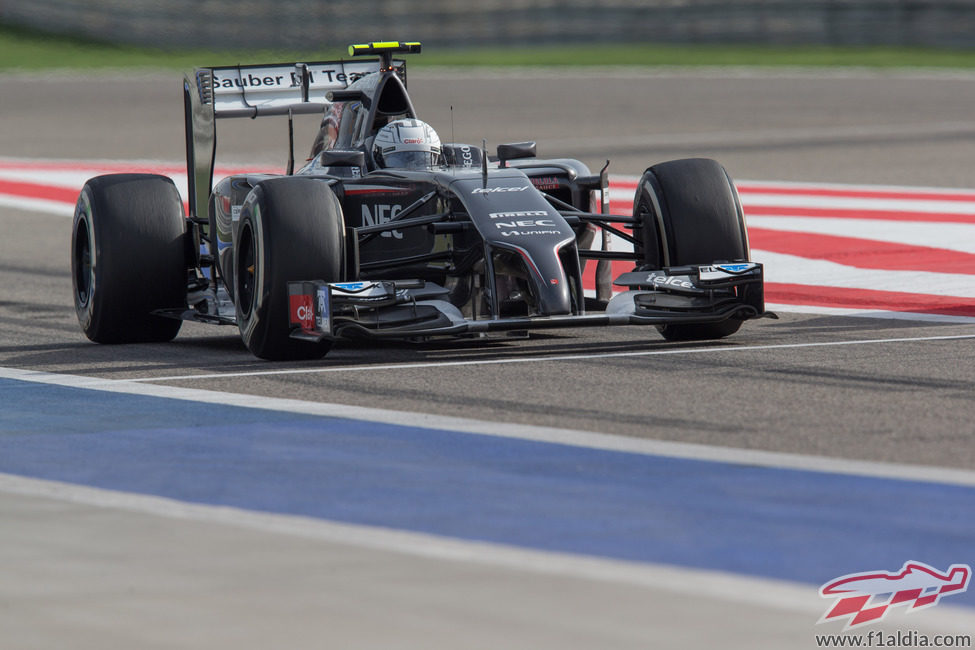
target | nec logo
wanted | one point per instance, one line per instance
(381, 214)
(526, 223)
(492, 190)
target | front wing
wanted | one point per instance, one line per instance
(414, 308)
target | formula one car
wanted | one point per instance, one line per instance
(386, 232)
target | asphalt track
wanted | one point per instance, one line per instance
(208, 526)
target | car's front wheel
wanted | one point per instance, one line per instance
(290, 229)
(690, 214)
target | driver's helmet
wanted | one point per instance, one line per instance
(407, 144)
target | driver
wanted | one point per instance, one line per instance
(407, 144)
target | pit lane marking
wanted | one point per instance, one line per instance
(564, 357)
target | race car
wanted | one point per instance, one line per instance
(388, 233)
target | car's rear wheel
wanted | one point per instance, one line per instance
(128, 258)
(690, 214)
(290, 229)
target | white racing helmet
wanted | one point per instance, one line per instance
(407, 144)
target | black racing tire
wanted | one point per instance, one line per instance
(691, 214)
(128, 258)
(290, 228)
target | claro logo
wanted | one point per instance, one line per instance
(302, 311)
(493, 190)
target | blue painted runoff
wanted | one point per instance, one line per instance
(779, 523)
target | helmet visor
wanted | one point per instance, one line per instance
(410, 159)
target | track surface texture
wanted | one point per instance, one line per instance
(80, 570)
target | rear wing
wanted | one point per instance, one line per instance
(256, 91)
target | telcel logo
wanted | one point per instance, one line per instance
(492, 190)
(672, 281)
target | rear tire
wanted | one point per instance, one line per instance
(128, 258)
(691, 214)
(290, 229)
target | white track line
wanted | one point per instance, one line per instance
(871, 313)
(586, 439)
(546, 359)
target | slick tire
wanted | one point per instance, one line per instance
(128, 258)
(290, 229)
(691, 214)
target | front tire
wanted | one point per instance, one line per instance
(691, 214)
(128, 258)
(290, 229)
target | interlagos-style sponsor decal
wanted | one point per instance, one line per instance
(864, 598)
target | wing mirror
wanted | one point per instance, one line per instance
(353, 161)
(516, 150)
